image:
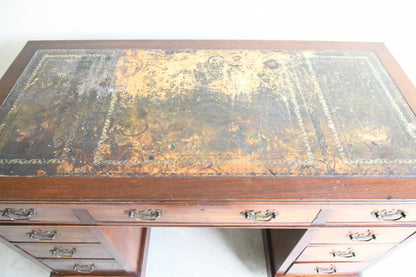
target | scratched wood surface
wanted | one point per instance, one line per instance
(206, 112)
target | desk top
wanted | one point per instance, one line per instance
(206, 112)
(223, 110)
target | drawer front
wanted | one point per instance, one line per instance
(73, 251)
(47, 234)
(33, 214)
(373, 214)
(205, 214)
(356, 235)
(326, 268)
(83, 266)
(344, 252)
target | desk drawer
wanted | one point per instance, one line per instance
(33, 214)
(83, 266)
(326, 268)
(47, 234)
(355, 235)
(344, 252)
(374, 214)
(53, 250)
(205, 214)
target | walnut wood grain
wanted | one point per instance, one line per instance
(143, 251)
(67, 265)
(224, 188)
(127, 241)
(382, 235)
(42, 214)
(366, 252)
(343, 269)
(65, 234)
(231, 214)
(83, 251)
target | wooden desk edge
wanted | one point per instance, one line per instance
(388, 189)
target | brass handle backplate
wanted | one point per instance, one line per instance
(17, 214)
(349, 253)
(84, 268)
(145, 215)
(368, 236)
(260, 216)
(326, 270)
(43, 235)
(389, 215)
(63, 253)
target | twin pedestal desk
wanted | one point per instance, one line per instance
(312, 142)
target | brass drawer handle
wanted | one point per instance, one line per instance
(63, 253)
(17, 214)
(389, 215)
(43, 235)
(326, 270)
(145, 215)
(84, 268)
(349, 253)
(369, 236)
(260, 216)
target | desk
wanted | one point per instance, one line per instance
(311, 141)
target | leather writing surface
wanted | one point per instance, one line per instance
(136, 112)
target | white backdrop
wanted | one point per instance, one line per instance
(391, 22)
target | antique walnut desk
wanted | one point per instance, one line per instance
(314, 142)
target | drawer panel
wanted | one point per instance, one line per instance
(374, 214)
(343, 235)
(208, 214)
(53, 250)
(45, 234)
(83, 266)
(344, 253)
(326, 268)
(33, 214)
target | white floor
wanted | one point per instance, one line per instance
(206, 253)
(14, 265)
(186, 252)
